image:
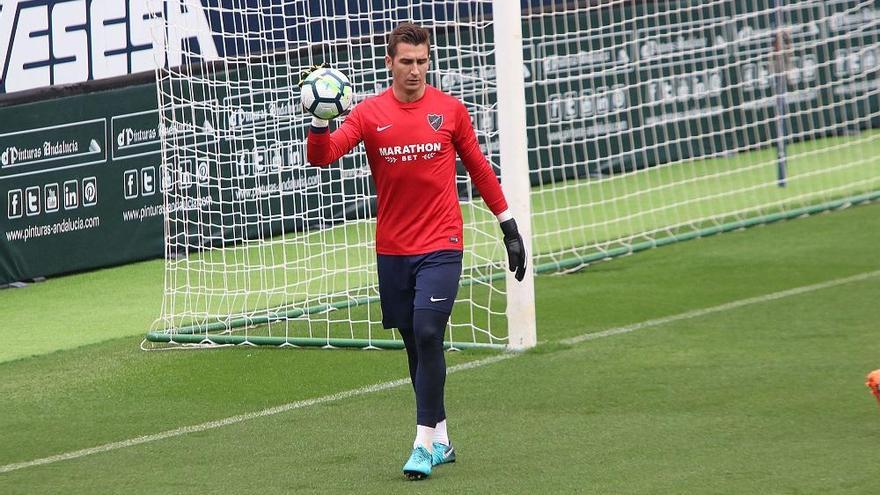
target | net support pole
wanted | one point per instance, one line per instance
(513, 140)
(780, 53)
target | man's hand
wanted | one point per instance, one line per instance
(304, 74)
(516, 250)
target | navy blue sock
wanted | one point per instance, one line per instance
(430, 374)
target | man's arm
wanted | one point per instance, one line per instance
(468, 148)
(484, 178)
(324, 147)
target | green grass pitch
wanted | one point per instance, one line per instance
(767, 397)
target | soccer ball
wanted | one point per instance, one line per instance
(326, 93)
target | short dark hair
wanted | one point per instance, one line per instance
(409, 33)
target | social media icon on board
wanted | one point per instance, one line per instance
(186, 174)
(90, 191)
(71, 194)
(148, 181)
(167, 179)
(50, 191)
(130, 184)
(14, 203)
(203, 172)
(32, 204)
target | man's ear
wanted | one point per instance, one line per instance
(388, 62)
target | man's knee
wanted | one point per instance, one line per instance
(430, 326)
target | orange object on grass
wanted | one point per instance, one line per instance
(874, 383)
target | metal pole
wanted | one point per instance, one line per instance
(515, 182)
(780, 65)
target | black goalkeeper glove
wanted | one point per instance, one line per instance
(516, 250)
(304, 74)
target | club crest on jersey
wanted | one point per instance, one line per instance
(436, 121)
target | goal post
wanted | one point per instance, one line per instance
(513, 143)
(614, 127)
(780, 58)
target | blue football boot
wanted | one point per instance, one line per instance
(443, 454)
(418, 467)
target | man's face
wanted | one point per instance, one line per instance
(408, 67)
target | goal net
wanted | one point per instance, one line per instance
(648, 122)
(654, 122)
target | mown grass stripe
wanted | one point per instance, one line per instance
(378, 387)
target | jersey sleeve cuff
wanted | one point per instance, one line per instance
(504, 216)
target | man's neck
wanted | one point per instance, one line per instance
(404, 96)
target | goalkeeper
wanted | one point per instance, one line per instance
(412, 133)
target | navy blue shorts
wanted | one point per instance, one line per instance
(424, 281)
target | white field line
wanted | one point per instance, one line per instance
(210, 425)
(720, 308)
(378, 387)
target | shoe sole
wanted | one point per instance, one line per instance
(415, 475)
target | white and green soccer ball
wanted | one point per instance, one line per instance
(326, 93)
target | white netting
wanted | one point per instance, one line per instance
(272, 238)
(660, 119)
(646, 121)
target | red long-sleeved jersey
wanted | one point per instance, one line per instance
(411, 148)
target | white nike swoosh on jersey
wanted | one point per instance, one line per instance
(433, 299)
(382, 128)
